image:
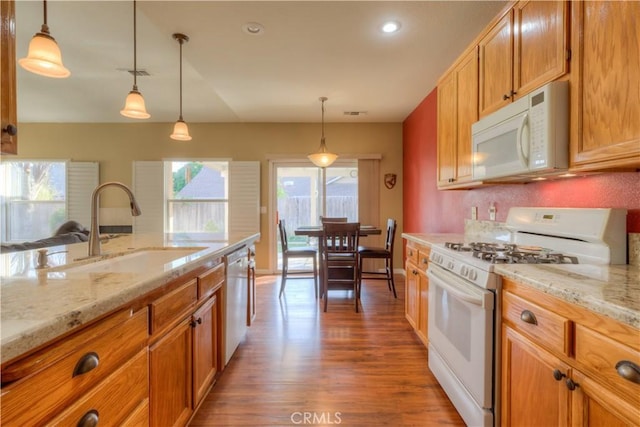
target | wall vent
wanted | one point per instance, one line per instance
(355, 113)
(139, 73)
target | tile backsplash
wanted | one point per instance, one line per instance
(633, 246)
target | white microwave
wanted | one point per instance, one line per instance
(527, 137)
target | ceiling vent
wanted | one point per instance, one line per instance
(355, 113)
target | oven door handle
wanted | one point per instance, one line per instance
(460, 289)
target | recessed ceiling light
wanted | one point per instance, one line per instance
(391, 27)
(253, 28)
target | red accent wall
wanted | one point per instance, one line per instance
(429, 210)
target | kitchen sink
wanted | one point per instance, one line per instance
(138, 261)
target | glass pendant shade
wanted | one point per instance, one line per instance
(322, 158)
(180, 131)
(44, 58)
(134, 106)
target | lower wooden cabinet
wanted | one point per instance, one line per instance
(417, 289)
(185, 359)
(101, 368)
(170, 368)
(563, 365)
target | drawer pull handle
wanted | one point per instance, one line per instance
(629, 371)
(528, 317)
(87, 363)
(90, 419)
(558, 375)
(571, 385)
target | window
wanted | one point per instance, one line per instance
(197, 196)
(33, 199)
(38, 196)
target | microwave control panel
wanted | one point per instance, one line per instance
(537, 147)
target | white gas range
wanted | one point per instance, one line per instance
(464, 293)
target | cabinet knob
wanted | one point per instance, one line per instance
(10, 129)
(199, 320)
(558, 375)
(513, 93)
(87, 363)
(629, 371)
(528, 317)
(90, 419)
(571, 385)
(505, 97)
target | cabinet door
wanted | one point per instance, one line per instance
(467, 113)
(496, 63)
(8, 113)
(540, 44)
(411, 294)
(423, 306)
(447, 110)
(170, 372)
(594, 405)
(530, 393)
(605, 111)
(205, 348)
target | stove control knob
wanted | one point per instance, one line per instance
(464, 271)
(473, 275)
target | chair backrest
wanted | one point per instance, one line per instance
(340, 237)
(391, 234)
(283, 235)
(324, 219)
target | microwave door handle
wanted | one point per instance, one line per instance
(524, 158)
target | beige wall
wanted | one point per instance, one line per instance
(116, 146)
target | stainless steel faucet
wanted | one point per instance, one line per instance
(94, 233)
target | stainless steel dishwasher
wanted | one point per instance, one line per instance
(236, 300)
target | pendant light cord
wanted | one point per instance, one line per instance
(181, 42)
(135, 68)
(45, 27)
(323, 121)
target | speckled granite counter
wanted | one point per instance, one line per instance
(39, 305)
(611, 290)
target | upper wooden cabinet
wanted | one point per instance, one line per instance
(525, 49)
(605, 96)
(8, 113)
(457, 111)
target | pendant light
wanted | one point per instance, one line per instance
(44, 55)
(322, 158)
(180, 129)
(134, 104)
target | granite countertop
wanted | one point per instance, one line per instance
(610, 290)
(38, 305)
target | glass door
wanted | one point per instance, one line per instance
(300, 190)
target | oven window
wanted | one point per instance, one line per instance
(453, 319)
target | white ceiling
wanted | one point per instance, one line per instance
(308, 49)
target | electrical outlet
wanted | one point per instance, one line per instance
(474, 212)
(492, 212)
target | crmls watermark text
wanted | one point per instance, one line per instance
(316, 418)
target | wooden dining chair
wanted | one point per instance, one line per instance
(324, 219)
(289, 253)
(386, 253)
(339, 252)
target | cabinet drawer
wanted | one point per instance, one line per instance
(412, 252)
(547, 328)
(42, 394)
(173, 306)
(423, 258)
(114, 399)
(139, 416)
(208, 281)
(599, 355)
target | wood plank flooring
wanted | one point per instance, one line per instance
(301, 366)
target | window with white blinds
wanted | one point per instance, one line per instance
(149, 181)
(82, 179)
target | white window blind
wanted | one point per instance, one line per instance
(148, 188)
(244, 197)
(82, 179)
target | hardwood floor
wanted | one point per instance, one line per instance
(301, 366)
